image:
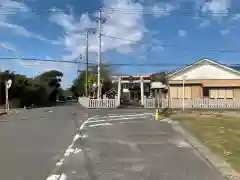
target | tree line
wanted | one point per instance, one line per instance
(79, 84)
(45, 89)
(41, 90)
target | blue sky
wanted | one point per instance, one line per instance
(52, 30)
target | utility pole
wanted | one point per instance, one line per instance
(86, 78)
(86, 33)
(99, 55)
(6, 97)
(8, 84)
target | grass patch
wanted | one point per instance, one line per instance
(220, 134)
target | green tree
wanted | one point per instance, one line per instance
(51, 80)
(78, 87)
(39, 91)
(159, 77)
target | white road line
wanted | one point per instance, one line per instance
(77, 136)
(59, 163)
(77, 150)
(53, 177)
(122, 115)
(101, 124)
(85, 122)
(118, 119)
(63, 177)
(68, 152)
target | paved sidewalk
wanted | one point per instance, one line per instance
(134, 147)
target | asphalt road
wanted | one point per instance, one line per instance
(130, 145)
(32, 141)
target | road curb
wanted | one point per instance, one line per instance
(225, 168)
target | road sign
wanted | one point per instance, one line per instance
(131, 79)
(9, 83)
(94, 85)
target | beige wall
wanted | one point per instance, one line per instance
(236, 93)
(196, 92)
(230, 82)
(190, 91)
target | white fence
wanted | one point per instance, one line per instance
(205, 103)
(149, 103)
(98, 103)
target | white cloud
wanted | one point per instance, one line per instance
(182, 33)
(10, 7)
(123, 25)
(163, 9)
(8, 46)
(217, 8)
(205, 23)
(20, 30)
(236, 17)
(39, 67)
(225, 31)
(42, 66)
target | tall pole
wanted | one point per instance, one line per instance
(6, 97)
(99, 56)
(86, 78)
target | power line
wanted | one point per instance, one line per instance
(94, 64)
(35, 59)
(145, 11)
(172, 46)
(163, 11)
(153, 64)
(14, 11)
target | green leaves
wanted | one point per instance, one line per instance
(40, 90)
(78, 87)
(159, 77)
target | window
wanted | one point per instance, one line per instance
(188, 92)
(177, 92)
(229, 93)
(213, 93)
(221, 93)
(206, 92)
(174, 92)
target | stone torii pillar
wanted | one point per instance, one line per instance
(119, 91)
(142, 90)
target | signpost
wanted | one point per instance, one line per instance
(8, 84)
(94, 86)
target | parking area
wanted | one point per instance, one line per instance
(134, 146)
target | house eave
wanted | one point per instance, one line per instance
(198, 62)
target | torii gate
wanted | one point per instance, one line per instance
(141, 81)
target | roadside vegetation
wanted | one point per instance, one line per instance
(219, 131)
(41, 90)
(45, 89)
